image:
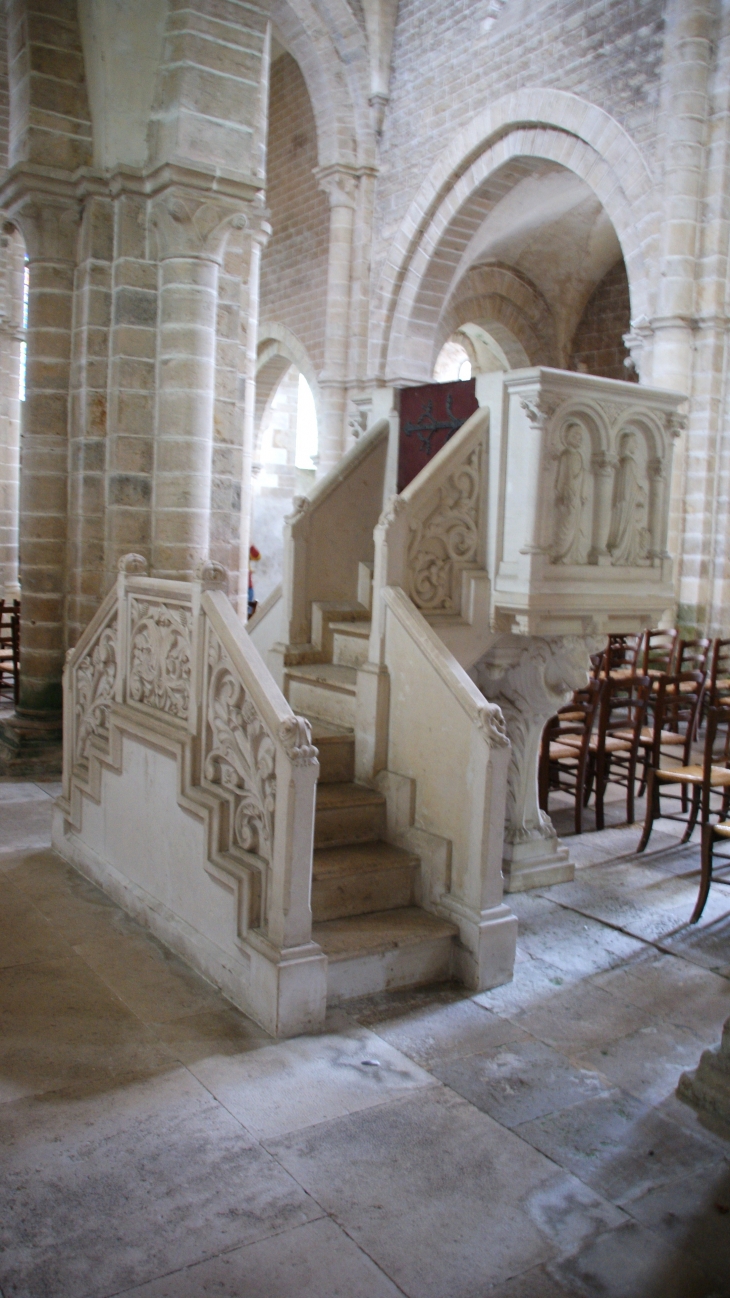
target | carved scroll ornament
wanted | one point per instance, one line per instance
(446, 538)
(240, 755)
(160, 656)
(95, 681)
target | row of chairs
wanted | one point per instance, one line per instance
(638, 719)
(9, 649)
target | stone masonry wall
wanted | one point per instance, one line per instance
(598, 344)
(294, 264)
(452, 61)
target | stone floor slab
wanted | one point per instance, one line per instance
(439, 1032)
(520, 1081)
(99, 1196)
(313, 1261)
(672, 989)
(25, 823)
(581, 1017)
(25, 934)
(693, 1214)
(309, 1080)
(648, 1063)
(618, 1146)
(632, 1263)
(444, 1199)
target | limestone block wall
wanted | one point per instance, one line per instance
(598, 342)
(294, 262)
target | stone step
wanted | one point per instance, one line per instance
(348, 813)
(350, 643)
(336, 752)
(323, 690)
(385, 950)
(361, 878)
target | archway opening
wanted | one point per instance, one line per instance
(284, 466)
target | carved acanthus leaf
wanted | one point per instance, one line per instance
(541, 409)
(446, 538)
(95, 681)
(160, 656)
(239, 755)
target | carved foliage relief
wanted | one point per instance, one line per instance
(446, 538)
(239, 755)
(160, 656)
(95, 681)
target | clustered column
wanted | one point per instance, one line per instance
(340, 185)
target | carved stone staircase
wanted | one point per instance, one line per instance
(364, 889)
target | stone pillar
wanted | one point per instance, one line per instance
(260, 231)
(531, 677)
(340, 184)
(604, 467)
(12, 258)
(707, 1089)
(30, 741)
(191, 229)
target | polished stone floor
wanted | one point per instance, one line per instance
(522, 1143)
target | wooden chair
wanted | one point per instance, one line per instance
(659, 652)
(718, 680)
(717, 718)
(692, 656)
(565, 749)
(615, 746)
(10, 649)
(712, 775)
(675, 708)
(621, 656)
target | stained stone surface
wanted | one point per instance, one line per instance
(522, 1143)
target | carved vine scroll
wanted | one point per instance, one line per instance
(239, 755)
(95, 681)
(160, 656)
(446, 538)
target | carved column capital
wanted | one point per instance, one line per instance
(192, 223)
(604, 464)
(541, 408)
(339, 183)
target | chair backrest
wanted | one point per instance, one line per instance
(622, 653)
(623, 707)
(659, 651)
(675, 706)
(717, 751)
(693, 655)
(719, 689)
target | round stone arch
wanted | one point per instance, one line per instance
(330, 49)
(278, 349)
(518, 132)
(507, 305)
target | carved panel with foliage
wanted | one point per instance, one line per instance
(160, 655)
(95, 678)
(446, 538)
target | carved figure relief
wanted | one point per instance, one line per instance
(95, 679)
(240, 755)
(570, 499)
(446, 538)
(160, 656)
(628, 541)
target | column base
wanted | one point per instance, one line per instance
(707, 1089)
(32, 745)
(537, 863)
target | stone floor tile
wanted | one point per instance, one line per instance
(153, 982)
(708, 943)
(77, 908)
(578, 1018)
(631, 1262)
(25, 935)
(534, 983)
(309, 1080)
(693, 1214)
(313, 1261)
(569, 941)
(54, 788)
(449, 1031)
(648, 1063)
(60, 1025)
(210, 1033)
(535, 1283)
(672, 989)
(99, 1196)
(520, 1081)
(444, 1199)
(25, 824)
(618, 1146)
(23, 791)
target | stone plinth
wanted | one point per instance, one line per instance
(707, 1089)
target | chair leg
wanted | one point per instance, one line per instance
(602, 774)
(590, 776)
(630, 782)
(652, 809)
(706, 873)
(693, 813)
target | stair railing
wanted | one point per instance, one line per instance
(420, 717)
(215, 853)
